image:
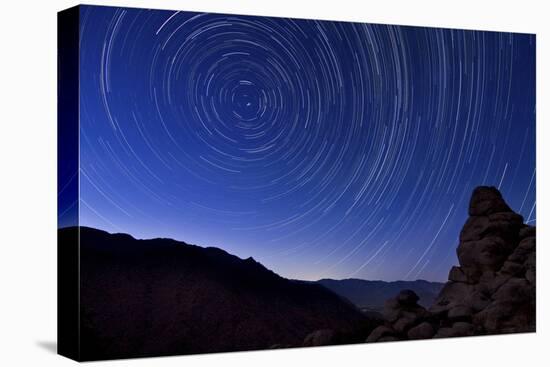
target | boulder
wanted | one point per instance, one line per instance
(380, 332)
(493, 317)
(444, 332)
(388, 339)
(474, 228)
(512, 308)
(530, 276)
(423, 330)
(403, 306)
(523, 249)
(392, 310)
(512, 268)
(451, 295)
(405, 323)
(530, 261)
(458, 329)
(463, 329)
(493, 281)
(527, 231)
(514, 291)
(485, 254)
(506, 225)
(407, 297)
(319, 337)
(487, 200)
(460, 313)
(280, 346)
(457, 275)
(479, 299)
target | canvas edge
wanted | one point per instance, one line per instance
(68, 279)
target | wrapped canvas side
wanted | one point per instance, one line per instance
(68, 314)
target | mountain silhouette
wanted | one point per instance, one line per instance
(162, 297)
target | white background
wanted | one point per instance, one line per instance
(28, 182)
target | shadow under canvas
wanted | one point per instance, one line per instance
(50, 346)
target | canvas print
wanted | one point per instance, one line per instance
(235, 183)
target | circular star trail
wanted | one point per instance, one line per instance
(322, 149)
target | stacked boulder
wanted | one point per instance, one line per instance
(404, 319)
(493, 289)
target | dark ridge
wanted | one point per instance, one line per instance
(163, 297)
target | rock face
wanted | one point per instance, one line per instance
(492, 290)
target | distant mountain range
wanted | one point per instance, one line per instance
(161, 297)
(370, 295)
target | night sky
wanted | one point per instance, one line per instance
(321, 149)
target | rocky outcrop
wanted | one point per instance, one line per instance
(402, 315)
(491, 291)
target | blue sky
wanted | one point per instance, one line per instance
(322, 149)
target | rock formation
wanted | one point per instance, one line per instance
(491, 291)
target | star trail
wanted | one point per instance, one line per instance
(320, 148)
